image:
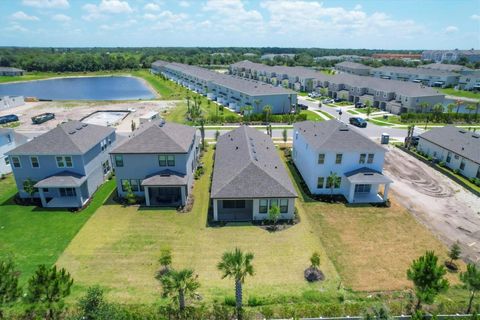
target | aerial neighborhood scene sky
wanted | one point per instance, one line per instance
(407, 24)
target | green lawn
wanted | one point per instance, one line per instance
(327, 114)
(364, 110)
(395, 120)
(461, 93)
(36, 235)
(312, 115)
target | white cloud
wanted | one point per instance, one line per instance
(152, 7)
(475, 17)
(20, 15)
(451, 29)
(357, 7)
(60, 4)
(168, 20)
(61, 18)
(117, 26)
(16, 28)
(105, 7)
(232, 15)
(184, 4)
(150, 16)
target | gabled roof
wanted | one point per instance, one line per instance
(247, 166)
(165, 178)
(17, 137)
(159, 137)
(367, 176)
(70, 138)
(334, 135)
(62, 179)
(352, 65)
(460, 141)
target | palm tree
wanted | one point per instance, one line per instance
(237, 265)
(267, 110)
(458, 103)
(331, 181)
(424, 106)
(471, 279)
(437, 110)
(188, 103)
(450, 107)
(470, 108)
(247, 111)
(179, 285)
(257, 104)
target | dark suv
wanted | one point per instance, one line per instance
(44, 117)
(8, 118)
(358, 122)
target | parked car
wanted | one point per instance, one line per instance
(358, 122)
(337, 100)
(8, 118)
(328, 101)
(302, 106)
(44, 117)
(415, 140)
(314, 95)
(359, 105)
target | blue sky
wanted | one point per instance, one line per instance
(387, 24)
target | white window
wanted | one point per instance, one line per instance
(363, 156)
(64, 162)
(370, 157)
(263, 206)
(283, 205)
(321, 158)
(34, 162)
(16, 162)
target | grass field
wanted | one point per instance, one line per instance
(38, 236)
(118, 248)
(461, 93)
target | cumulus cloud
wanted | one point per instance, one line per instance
(61, 18)
(55, 4)
(232, 15)
(152, 7)
(168, 20)
(117, 26)
(184, 4)
(20, 15)
(16, 28)
(475, 17)
(451, 29)
(106, 7)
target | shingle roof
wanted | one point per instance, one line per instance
(62, 179)
(445, 67)
(165, 178)
(367, 176)
(352, 65)
(72, 138)
(247, 166)
(17, 137)
(460, 141)
(334, 135)
(415, 71)
(159, 137)
(10, 69)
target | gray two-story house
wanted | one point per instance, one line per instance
(158, 162)
(67, 164)
(9, 139)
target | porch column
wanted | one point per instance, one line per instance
(385, 191)
(351, 192)
(182, 193)
(215, 210)
(78, 195)
(147, 197)
(42, 197)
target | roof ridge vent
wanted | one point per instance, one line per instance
(72, 132)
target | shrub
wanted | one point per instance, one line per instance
(198, 173)
(229, 301)
(442, 164)
(456, 171)
(254, 301)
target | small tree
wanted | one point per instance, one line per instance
(133, 125)
(471, 280)
(368, 108)
(285, 137)
(91, 303)
(202, 132)
(29, 187)
(165, 259)
(179, 285)
(274, 215)
(129, 195)
(217, 134)
(332, 180)
(454, 253)
(315, 260)
(237, 265)
(428, 278)
(46, 290)
(268, 111)
(9, 289)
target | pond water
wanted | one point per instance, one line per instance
(83, 88)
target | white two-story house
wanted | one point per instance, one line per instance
(9, 139)
(323, 148)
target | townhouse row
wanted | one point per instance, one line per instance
(231, 91)
(433, 75)
(157, 162)
(393, 96)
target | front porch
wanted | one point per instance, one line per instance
(232, 210)
(166, 188)
(364, 186)
(64, 190)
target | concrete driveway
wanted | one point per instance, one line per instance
(451, 212)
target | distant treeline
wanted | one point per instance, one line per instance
(97, 59)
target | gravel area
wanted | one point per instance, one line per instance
(451, 212)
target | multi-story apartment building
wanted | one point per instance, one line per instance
(451, 55)
(353, 68)
(429, 77)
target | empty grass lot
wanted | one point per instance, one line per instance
(35, 235)
(119, 247)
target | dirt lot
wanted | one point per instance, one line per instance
(443, 206)
(76, 110)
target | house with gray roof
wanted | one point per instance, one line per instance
(447, 67)
(321, 149)
(158, 162)
(249, 178)
(66, 164)
(9, 139)
(12, 72)
(429, 77)
(458, 148)
(231, 91)
(353, 68)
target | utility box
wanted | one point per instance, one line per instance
(385, 138)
